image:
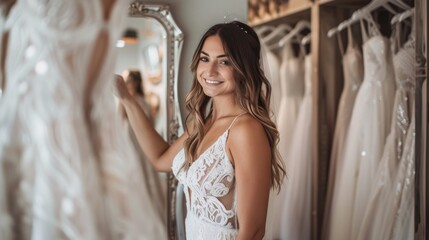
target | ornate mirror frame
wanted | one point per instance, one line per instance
(162, 14)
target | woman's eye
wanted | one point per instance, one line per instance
(225, 62)
(204, 59)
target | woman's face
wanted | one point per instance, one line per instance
(214, 71)
(131, 85)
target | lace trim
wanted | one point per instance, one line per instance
(197, 229)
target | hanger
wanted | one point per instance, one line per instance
(402, 16)
(296, 31)
(363, 13)
(280, 30)
(374, 5)
(306, 39)
(261, 30)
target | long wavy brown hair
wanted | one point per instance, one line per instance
(253, 91)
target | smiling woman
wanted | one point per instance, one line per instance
(215, 72)
(227, 160)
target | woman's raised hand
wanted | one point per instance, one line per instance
(120, 89)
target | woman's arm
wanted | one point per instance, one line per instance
(159, 152)
(251, 154)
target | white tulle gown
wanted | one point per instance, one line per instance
(292, 90)
(273, 75)
(376, 218)
(68, 170)
(353, 76)
(296, 208)
(369, 126)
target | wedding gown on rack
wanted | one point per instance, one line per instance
(375, 218)
(292, 90)
(68, 169)
(296, 209)
(369, 126)
(403, 214)
(274, 78)
(353, 75)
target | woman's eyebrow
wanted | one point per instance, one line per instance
(220, 56)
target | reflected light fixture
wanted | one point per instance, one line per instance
(130, 36)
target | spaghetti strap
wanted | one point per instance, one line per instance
(233, 121)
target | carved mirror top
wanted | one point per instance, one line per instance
(174, 38)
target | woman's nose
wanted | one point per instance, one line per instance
(211, 69)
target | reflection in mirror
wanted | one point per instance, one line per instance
(151, 45)
(152, 62)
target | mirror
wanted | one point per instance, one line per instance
(152, 44)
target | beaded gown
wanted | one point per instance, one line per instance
(377, 219)
(67, 169)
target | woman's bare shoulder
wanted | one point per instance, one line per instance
(247, 130)
(246, 124)
(248, 141)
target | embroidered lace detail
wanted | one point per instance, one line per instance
(209, 186)
(67, 170)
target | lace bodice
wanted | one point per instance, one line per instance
(209, 186)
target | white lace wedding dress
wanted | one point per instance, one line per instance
(67, 170)
(369, 126)
(209, 187)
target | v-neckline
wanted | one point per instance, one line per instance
(217, 139)
(210, 146)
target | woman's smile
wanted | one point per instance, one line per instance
(212, 82)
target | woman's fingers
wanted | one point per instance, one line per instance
(120, 89)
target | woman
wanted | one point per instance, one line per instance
(134, 83)
(227, 159)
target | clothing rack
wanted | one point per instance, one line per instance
(325, 15)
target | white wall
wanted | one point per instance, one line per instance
(194, 17)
